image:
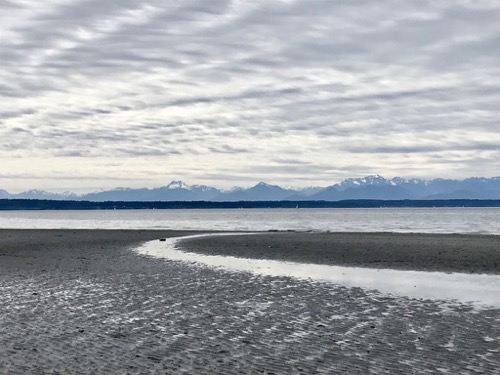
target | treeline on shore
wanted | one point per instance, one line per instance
(38, 204)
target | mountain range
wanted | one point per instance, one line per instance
(370, 187)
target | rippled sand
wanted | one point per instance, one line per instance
(81, 302)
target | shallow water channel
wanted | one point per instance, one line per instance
(480, 290)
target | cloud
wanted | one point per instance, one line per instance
(194, 89)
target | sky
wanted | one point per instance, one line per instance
(99, 94)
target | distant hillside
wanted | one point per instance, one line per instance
(175, 191)
(39, 204)
(370, 187)
(259, 192)
(377, 187)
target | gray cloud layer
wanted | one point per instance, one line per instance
(292, 92)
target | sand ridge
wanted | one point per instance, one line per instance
(406, 251)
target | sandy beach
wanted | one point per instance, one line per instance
(83, 302)
(405, 251)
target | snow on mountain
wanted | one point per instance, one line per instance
(377, 187)
(42, 194)
(375, 180)
(201, 188)
(369, 187)
(400, 181)
(174, 191)
(178, 185)
(174, 185)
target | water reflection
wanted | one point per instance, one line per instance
(482, 290)
(402, 220)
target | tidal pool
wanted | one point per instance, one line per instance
(480, 290)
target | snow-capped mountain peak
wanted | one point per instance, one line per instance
(263, 184)
(369, 187)
(178, 185)
(36, 192)
(401, 181)
(363, 181)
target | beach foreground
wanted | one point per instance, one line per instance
(83, 302)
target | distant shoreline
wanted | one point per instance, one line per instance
(39, 204)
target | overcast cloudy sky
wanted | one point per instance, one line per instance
(97, 94)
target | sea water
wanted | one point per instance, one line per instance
(418, 220)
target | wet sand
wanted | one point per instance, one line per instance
(82, 302)
(405, 251)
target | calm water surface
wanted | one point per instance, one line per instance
(424, 220)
